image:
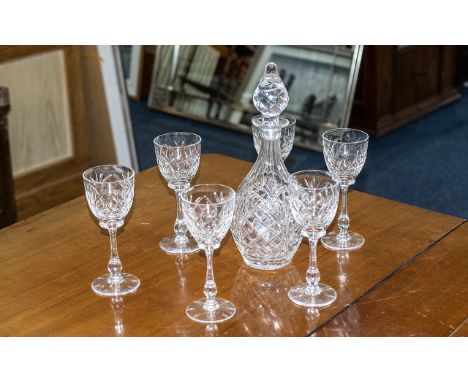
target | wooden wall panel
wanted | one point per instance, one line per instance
(101, 144)
(40, 127)
(64, 83)
(54, 180)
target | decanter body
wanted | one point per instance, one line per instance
(263, 227)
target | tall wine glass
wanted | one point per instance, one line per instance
(208, 211)
(345, 151)
(313, 202)
(178, 158)
(109, 191)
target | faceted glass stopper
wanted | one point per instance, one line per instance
(270, 97)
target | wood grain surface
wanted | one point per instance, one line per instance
(47, 263)
(426, 298)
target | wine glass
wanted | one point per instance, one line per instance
(208, 211)
(286, 139)
(109, 191)
(313, 203)
(178, 158)
(345, 152)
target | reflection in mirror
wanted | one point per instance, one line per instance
(215, 84)
(207, 90)
(132, 61)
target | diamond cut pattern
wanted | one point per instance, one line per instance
(263, 227)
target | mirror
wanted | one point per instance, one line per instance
(214, 84)
(207, 89)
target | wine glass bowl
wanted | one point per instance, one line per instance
(345, 152)
(313, 199)
(208, 210)
(208, 213)
(178, 159)
(313, 203)
(109, 191)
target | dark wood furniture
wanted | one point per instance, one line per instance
(408, 279)
(398, 84)
(7, 194)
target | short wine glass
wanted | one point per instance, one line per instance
(313, 202)
(345, 152)
(178, 158)
(208, 211)
(109, 191)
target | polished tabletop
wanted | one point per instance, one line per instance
(410, 278)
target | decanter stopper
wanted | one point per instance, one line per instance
(271, 97)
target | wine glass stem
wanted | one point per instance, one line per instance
(210, 285)
(343, 220)
(180, 228)
(115, 266)
(313, 274)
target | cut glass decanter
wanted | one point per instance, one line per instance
(263, 227)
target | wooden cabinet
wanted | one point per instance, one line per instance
(398, 84)
(7, 196)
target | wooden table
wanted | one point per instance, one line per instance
(410, 278)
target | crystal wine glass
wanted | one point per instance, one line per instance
(313, 203)
(208, 211)
(345, 152)
(286, 139)
(178, 158)
(109, 191)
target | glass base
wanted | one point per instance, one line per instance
(266, 266)
(169, 245)
(325, 297)
(102, 287)
(332, 242)
(198, 313)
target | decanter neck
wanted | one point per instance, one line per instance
(269, 133)
(270, 149)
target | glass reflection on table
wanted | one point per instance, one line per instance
(211, 330)
(346, 324)
(342, 259)
(266, 307)
(117, 305)
(181, 262)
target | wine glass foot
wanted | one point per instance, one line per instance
(298, 294)
(198, 313)
(103, 287)
(334, 243)
(169, 245)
